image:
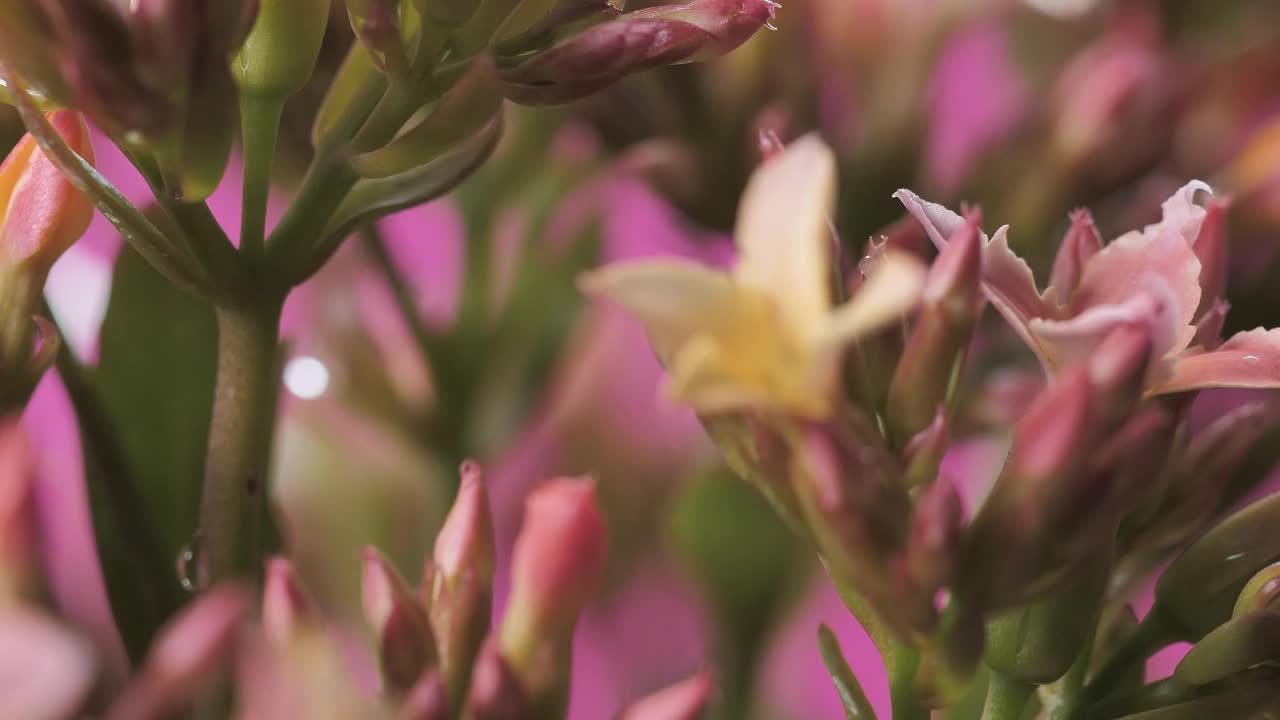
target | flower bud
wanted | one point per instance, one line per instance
(406, 648)
(17, 521)
(459, 580)
(1212, 249)
(28, 46)
(555, 566)
(41, 215)
(1081, 243)
(427, 700)
(1118, 369)
(932, 552)
(1038, 643)
(473, 103)
(280, 52)
(186, 658)
(1198, 591)
(685, 700)
(496, 692)
(1049, 451)
(938, 342)
(377, 25)
(604, 53)
(1262, 592)
(924, 452)
(287, 607)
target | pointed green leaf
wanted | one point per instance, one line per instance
(854, 700)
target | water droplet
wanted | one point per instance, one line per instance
(186, 564)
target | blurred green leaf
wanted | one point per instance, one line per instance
(1232, 647)
(852, 697)
(1247, 700)
(155, 384)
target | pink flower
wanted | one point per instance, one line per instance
(1167, 277)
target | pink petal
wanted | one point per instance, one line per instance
(1122, 271)
(1248, 360)
(45, 669)
(1007, 280)
(1067, 341)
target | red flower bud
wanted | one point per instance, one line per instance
(406, 647)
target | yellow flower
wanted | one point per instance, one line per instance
(766, 334)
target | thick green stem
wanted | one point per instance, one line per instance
(233, 502)
(1006, 697)
(901, 661)
(259, 128)
(1152, 634)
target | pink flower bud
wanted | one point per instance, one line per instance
(459, 580)
(1118, 370)
(941, 334)
(495, 693)
(685, 700)
(406, 647)
(427, 700)
(186, 658)
(287, 607)
(555, 566)
(41, 212)
(1081, 243)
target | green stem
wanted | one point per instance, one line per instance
(1006, 697)
(327, 182)
(901, 661)
(259, 127)
(233, 502)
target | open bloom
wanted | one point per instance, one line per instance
(1167, 277)
(766, 334)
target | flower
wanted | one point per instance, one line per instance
(766, 334)
(1166, 277)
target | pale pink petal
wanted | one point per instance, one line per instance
(783, 231)
(674, 298)
(1248, 360)
(1067, 341)
(1007, 280)
(1123, 268)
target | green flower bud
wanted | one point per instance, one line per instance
(1199, 589)
(1261, 593)
(280, 53)
(1232, 647)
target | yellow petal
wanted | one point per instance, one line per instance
(712, 379)
(673, 298)
(892, 289)
(783, 232)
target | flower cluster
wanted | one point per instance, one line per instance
(842, 414)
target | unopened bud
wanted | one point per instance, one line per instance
(279, 55)
(472, 104)
(1050, 446)
(287, 607)
(924, 452)
(41, 215)
(428, 699)
(187, 657)
(555, 566)
(459, 580)
(1198, 591)
(377, 25)
(1213, 249)
(406, 647)
(932, 552)
(936, 348)
(496, 693)
(1079, 245)
(604, 53)
(1262, 592)
(17, 522)
(1118, 370)
(28, 46)
(1231, 648)
(685, 700)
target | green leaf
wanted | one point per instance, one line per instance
(1232, 647)
(155, 387)
(854, 700)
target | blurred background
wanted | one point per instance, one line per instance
(454, 330)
